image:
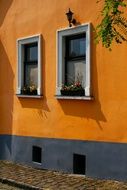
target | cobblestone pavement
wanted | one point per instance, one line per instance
(8, 187)
(34, 179)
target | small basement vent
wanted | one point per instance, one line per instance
(36, 154)
(79, 164)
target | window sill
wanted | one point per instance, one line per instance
(29, 96)
(37, 163)
(74, 97)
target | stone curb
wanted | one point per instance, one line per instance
(18, 184)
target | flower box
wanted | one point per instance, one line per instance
(73, 92)
(29, 90)
(74, 89)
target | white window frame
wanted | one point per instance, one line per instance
(20, 47)
(61, 35)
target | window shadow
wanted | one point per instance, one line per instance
(4, 9)
(34, 103)
(87, 109)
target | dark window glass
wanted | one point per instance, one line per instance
(31, 52)
(31, 64)
(31, 75)
(77, 47)
(75, 61)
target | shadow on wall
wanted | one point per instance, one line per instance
(40, 104)
(6, 98)
(4, 9)
(87, 109)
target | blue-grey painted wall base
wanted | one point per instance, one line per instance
(103, 159)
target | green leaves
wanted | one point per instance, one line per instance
(113, 26)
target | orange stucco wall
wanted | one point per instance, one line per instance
(102, 119)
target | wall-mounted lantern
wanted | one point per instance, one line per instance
(70, 18)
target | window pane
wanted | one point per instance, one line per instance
(31, 75)
(32, 53)
(77, 47)
(76, 72)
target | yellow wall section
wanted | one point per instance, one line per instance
(103, 119)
